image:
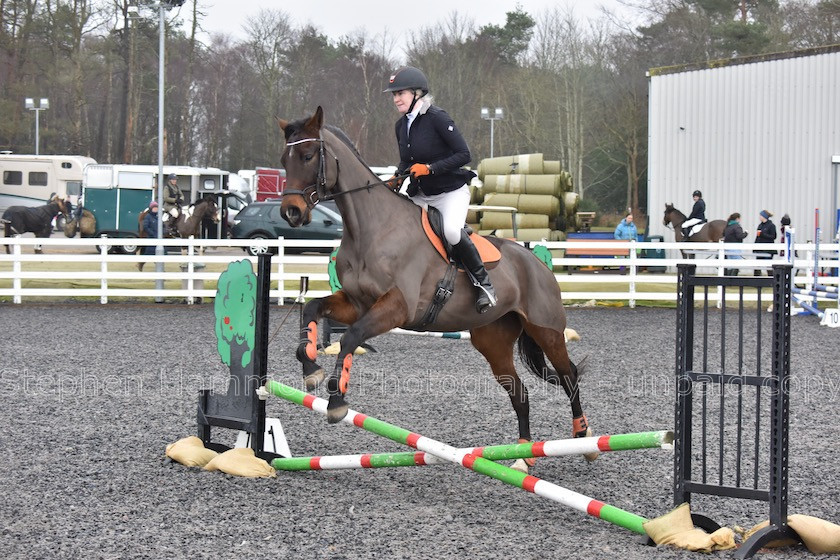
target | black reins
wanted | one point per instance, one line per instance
(316, 192)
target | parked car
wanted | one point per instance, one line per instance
(262, 220)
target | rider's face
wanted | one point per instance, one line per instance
(403, 99)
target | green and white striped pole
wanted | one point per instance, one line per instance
(551, 448)
(481, 465)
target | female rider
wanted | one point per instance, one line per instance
(432, 151)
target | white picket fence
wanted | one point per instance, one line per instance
(607, 278)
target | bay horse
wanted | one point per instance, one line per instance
(710, 232)
(38, 220)
(189, 219)
(389, 270)
(83, 222)
(187, 224)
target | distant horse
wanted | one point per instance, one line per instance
(83, 222)
(710, 232)
(187, 224)
(389, 272)
(189, 219)
(38, 220)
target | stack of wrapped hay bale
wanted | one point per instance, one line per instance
(541, 192)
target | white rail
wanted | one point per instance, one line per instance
(67, 263)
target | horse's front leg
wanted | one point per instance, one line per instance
(388, 312)
(336, 306)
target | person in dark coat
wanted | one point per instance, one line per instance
(765, 233)
(150, 228)
(733, 233)
(433, 152)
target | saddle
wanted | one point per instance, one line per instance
(433, 227)
(693, 229)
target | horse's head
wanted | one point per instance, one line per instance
(669, 209)
(309, 173)
(212, 211)
(61, 204)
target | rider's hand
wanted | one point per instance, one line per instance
(393, 183)
(419, 169)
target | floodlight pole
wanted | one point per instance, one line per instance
(498, 115)
(159, 250)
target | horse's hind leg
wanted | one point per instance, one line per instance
(496, 342)
(553, 343)
(335, 306)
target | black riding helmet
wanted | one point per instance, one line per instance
(697, 193)
(407, 77)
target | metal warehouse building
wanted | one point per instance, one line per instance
(752, 133)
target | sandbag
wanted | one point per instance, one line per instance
(190, 451)
(818, 536)
(241, 462)
(676, 528)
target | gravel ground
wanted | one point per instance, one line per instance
(94, 393)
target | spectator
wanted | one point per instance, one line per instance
(765, 233)
(150, 228)
(785, 227)
(626, 229)
(733, 233)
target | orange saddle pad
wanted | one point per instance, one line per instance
(488, 252)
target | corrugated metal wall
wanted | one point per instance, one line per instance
(750, 136)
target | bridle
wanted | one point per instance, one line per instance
(317, 191)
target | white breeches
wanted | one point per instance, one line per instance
(453, 207)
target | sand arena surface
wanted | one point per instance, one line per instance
(93, 393)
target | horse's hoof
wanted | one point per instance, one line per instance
(336, 409)
(311, 381)
(593, 455)
(520, 465)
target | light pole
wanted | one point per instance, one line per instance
(499, 114)
(30, 104)
(162, 6)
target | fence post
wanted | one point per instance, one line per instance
(16, 269)
(103, 270)
(281, 270)
(633, 269)
(190, 270)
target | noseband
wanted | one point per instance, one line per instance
(314, 193)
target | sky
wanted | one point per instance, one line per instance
(336, 18)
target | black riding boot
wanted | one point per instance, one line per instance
(468, 256)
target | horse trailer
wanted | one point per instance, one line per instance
(30, 180)
(116, 194)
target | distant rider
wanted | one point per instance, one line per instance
(173, 199)
(697, 216)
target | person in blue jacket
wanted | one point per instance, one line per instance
(433, 152)
(626, 229)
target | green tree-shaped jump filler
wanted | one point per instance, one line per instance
(542, 253)
(235, 307)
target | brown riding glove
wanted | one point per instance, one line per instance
(394, 183)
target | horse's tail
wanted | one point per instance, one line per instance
(534, 357)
